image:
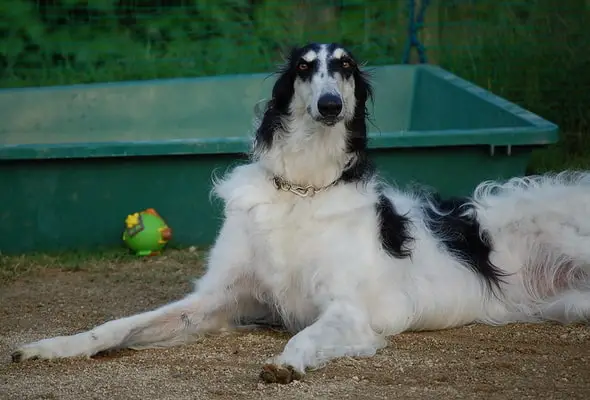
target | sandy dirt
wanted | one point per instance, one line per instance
(476, 362)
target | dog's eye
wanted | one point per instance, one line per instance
(302, 66)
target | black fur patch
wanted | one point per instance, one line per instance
(393, 229)
(357, 126)
(363, 169)
(277, 108)
(461, 235)
(312, 66)
(345, 65)
(359, 171)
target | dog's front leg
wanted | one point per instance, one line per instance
(215, 303)
(342, 330)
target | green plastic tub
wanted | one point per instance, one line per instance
(76, 160)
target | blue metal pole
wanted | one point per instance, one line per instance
(415, 23)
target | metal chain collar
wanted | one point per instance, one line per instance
(309, 190)
(301, 191)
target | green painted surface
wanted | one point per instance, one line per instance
(75, 161)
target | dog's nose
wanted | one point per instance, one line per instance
(329, 105)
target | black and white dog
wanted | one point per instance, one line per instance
(312, 240)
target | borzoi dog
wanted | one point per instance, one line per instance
(313, 240)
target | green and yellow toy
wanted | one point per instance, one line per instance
(146, 233)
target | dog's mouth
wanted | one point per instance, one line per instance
(329, 121)
(324, 120)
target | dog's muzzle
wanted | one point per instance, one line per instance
(330, 108)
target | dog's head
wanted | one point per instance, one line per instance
(321, 84)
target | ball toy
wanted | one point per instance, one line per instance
(146, 233)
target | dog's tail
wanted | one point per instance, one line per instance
(540, 229)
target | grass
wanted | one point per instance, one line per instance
(529, 52)
(532, 52)
(13, 267)
(185, 38)
(572, 152)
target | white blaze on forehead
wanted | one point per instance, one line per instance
(338, 53)
(310, 56)
(323, 59)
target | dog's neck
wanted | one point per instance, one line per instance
(308, 153)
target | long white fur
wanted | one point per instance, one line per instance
(317, 264)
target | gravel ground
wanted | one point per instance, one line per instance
(43, 297)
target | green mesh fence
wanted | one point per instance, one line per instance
(533, 52)
(68, 41)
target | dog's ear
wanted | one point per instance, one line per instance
(283, 90)
(363, 90)
(357, 126)
(288, 54)
(278, 106)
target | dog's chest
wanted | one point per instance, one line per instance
(285, 236)
(290, 250)
(301, 249)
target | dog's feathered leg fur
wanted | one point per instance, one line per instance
(222, 297)
(540, 224)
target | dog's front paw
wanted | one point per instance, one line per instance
(47, 349)
(21, 355)
(273, 373)
(32, 351)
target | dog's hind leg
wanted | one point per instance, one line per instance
(560, 274)
(567, 307)
(541, 230)
(557, 274)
